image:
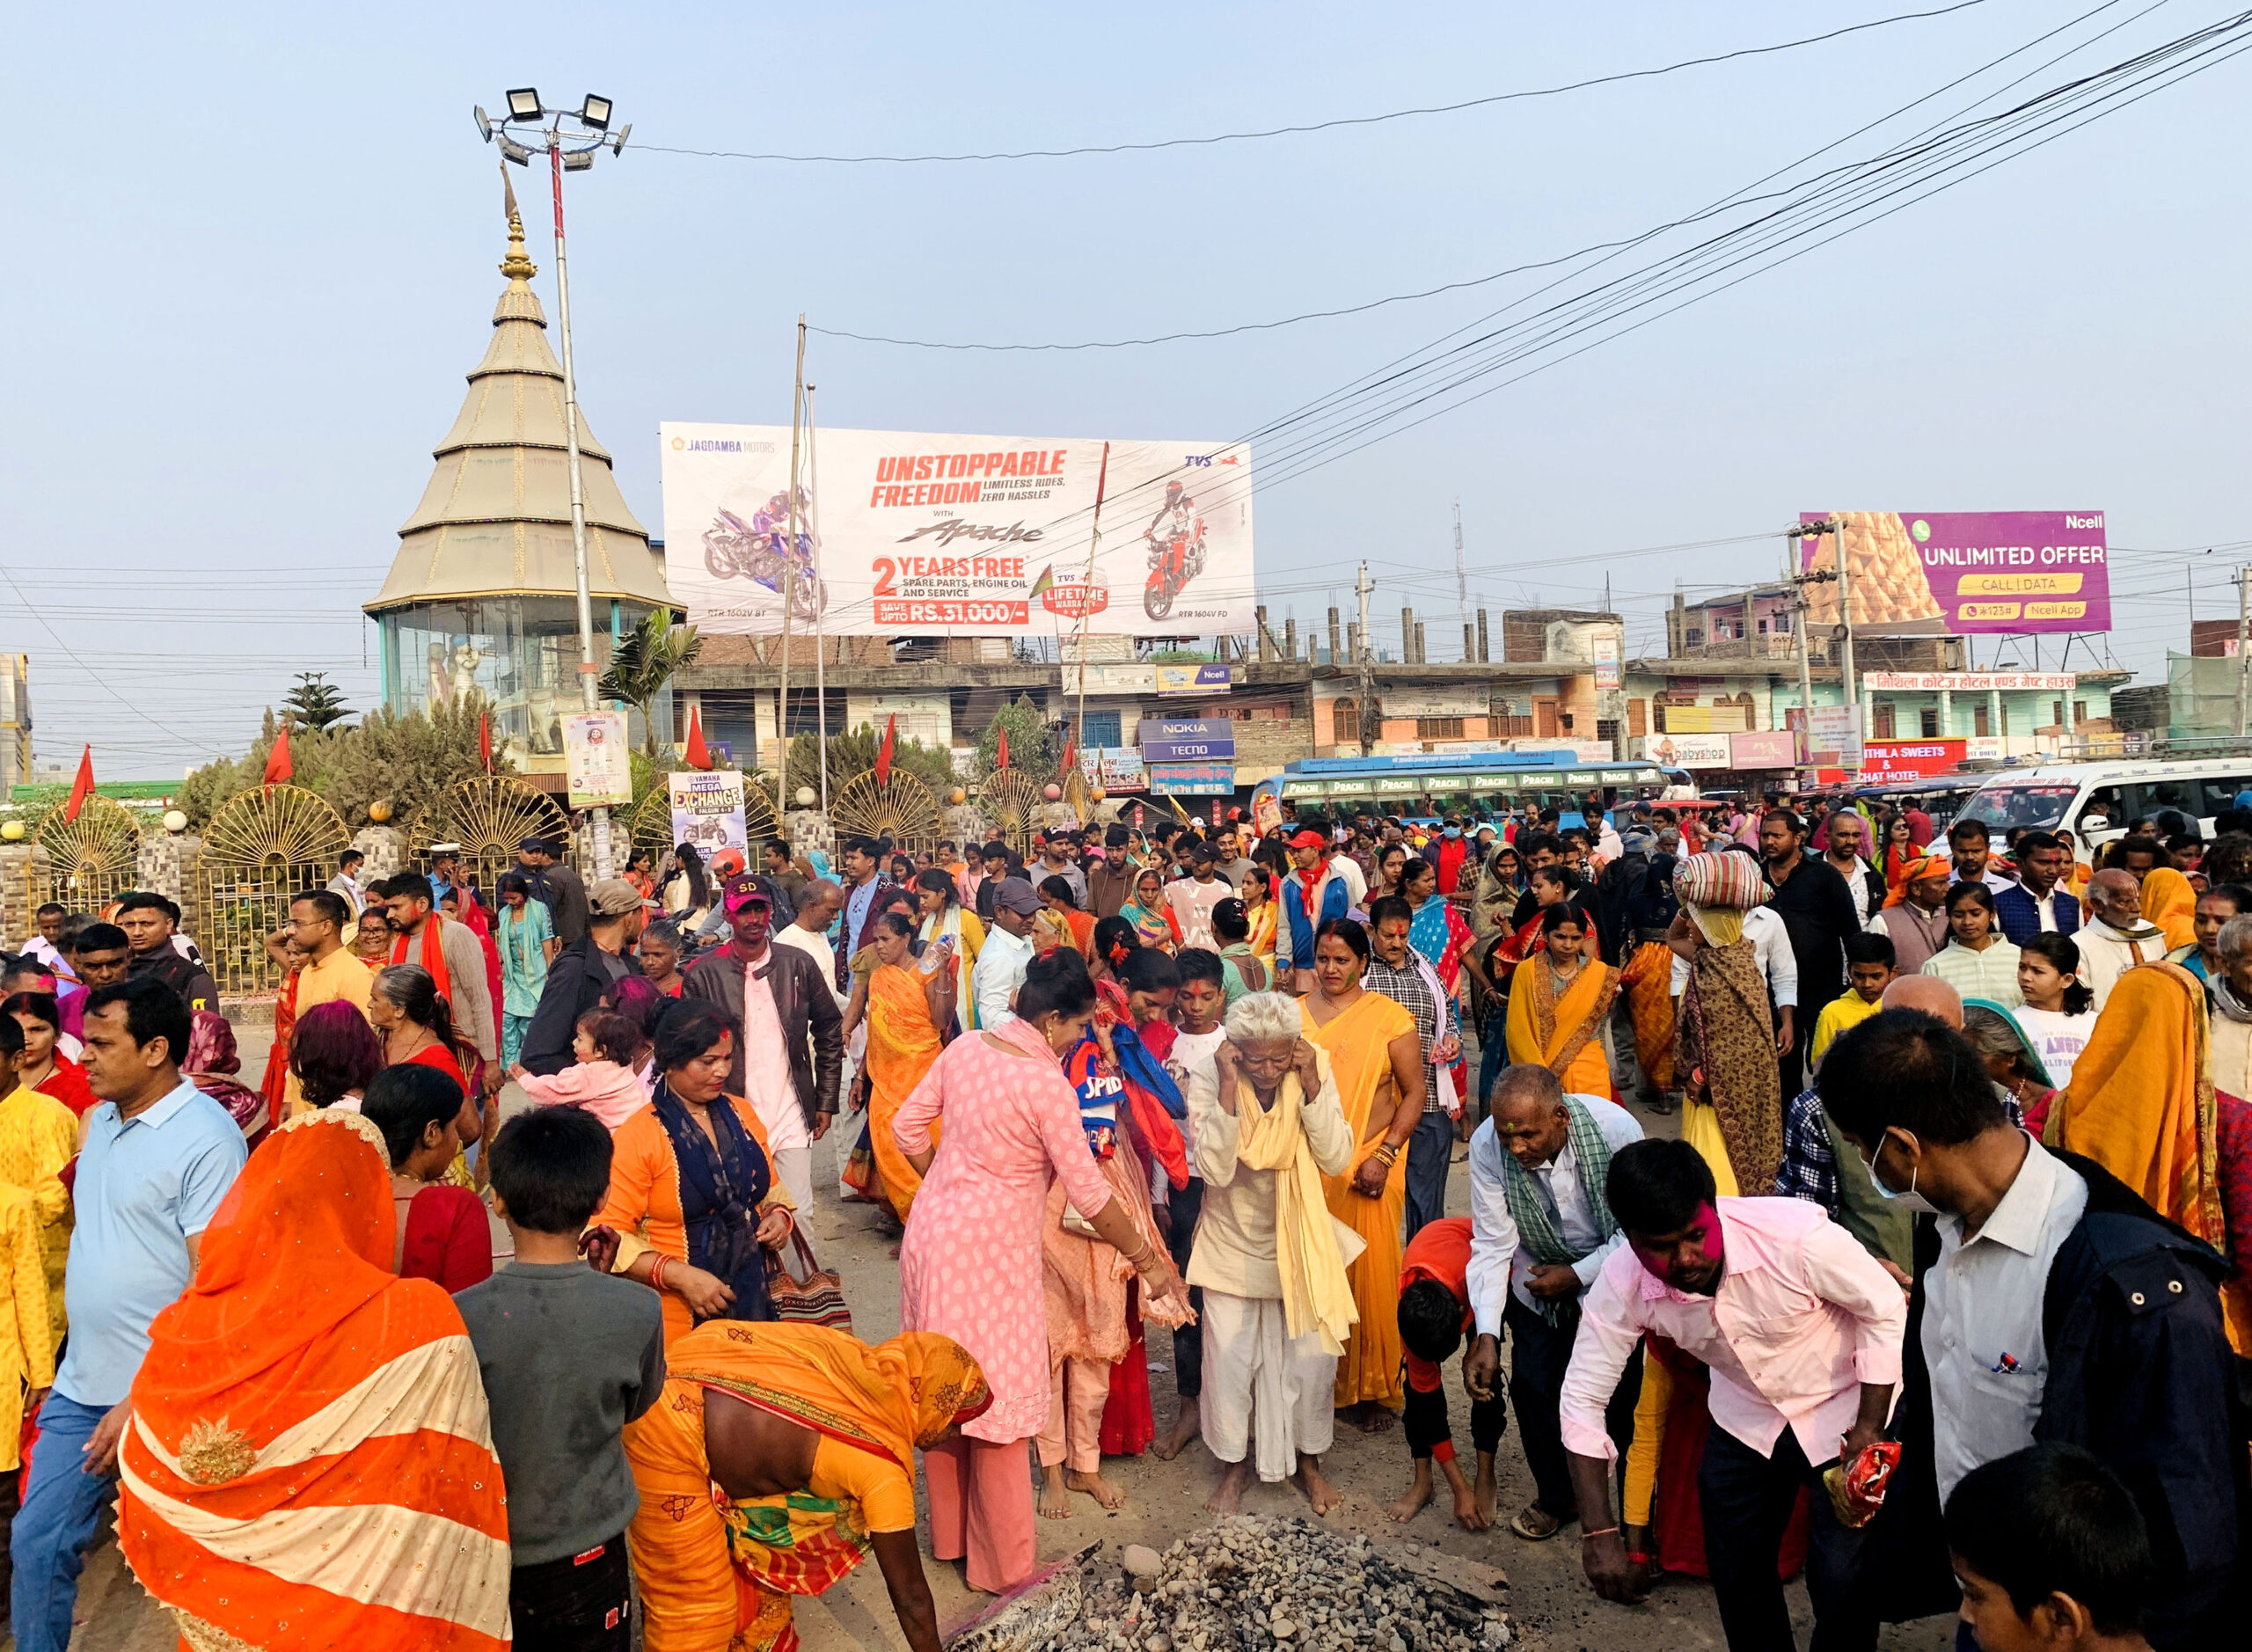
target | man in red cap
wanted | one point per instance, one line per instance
(1323, 885)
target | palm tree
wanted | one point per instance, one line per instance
(643, 663)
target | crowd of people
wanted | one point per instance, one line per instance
(1843, 1196)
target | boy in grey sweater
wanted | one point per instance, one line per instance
(570, 1356)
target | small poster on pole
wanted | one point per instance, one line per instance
(597, 763)
(707, 811)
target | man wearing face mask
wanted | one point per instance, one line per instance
(2052, 1305)
(1448, 852)
(1801, 1330)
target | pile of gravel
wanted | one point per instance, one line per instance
(1251, 1584)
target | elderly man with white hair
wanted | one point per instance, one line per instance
(1266, 1126)
(2229, 1060)
(2115, 939)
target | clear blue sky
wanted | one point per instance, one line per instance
(253, 249)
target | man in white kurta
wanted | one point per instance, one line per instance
(1256, 1373)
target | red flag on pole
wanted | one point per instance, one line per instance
(82, 787)
(1070, 751)
(1001, 759)
(279, 768)
(485, 740)
(883, 751)
(698, 755)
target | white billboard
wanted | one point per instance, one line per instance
(903, 532)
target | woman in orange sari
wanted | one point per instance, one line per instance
(254, 1492)
(904, 1007)
(2141, 1105)
(1378, 1062)
(2170, 903)
(780, 1457)
(1558, 999)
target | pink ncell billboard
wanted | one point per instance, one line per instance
(1955, 573)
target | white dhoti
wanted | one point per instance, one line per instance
(1257, 1375)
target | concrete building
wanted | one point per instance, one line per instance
(482, 593)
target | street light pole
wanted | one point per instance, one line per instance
(571, 151)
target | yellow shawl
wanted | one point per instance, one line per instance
(1309, 1248)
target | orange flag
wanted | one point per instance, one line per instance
(883, 751)
(82, 787)
(697, 754)
(485, 740)
(279, 768)
(1001, 758)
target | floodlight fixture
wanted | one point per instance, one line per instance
(618, 139)
(483, 123)
(523, 103)
(513, 150)
(578, 160)
(595, 112)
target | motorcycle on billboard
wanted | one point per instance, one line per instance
(760, 550)
(1175, 537)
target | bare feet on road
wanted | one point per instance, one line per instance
(1106, 1495)
(1229, 1495)
(1185, 1428)
(1318, 1492)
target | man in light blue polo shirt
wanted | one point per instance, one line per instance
(160, 1156)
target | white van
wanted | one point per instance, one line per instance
(2095, 801)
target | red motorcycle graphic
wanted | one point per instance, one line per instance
(1175, 537)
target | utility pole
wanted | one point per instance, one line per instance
(2243, 647)
(1086, 591)
(821, 605)
(1851, 684)
(1362, 589)
(790, 574)
(1461, 583)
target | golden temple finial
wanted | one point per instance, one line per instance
(517, 267)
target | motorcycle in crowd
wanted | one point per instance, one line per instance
(760, 550)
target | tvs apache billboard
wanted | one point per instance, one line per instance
(903, 532)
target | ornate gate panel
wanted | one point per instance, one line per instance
(86, 863)
(1012, 799)
(901, 809)
(488, 815)
(260, 852)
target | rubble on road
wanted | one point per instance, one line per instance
(1251, 1584)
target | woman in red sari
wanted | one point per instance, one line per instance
(275, 1086)
(444, 1233)
(418, 1027)
(42, 1067)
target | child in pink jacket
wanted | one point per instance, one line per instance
(601, 1083)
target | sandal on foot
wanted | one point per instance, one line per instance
(1536, 1524)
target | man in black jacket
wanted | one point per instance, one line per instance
(151, 921)
(1818, 911)
(2051, 1305)
(581, 973)
(788, 1077)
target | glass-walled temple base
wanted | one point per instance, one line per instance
(521, 653)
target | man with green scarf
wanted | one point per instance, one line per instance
(1541, 1233)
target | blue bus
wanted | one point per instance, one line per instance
(1428, 786)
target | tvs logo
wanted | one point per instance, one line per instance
(1074, 598)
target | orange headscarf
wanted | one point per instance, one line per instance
(1923, 866)
(889, 1399)
(2140, 1103)
(2169, 904)
(301, 1410)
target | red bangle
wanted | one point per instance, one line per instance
(657, 1272)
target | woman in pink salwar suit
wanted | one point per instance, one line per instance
(970, 1265)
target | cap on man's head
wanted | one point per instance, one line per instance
(1310, 840)
(745, 888)
(1015, 895)
(613, 898)
(438, 852)
(529, 845)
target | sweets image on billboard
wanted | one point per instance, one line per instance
(956, 535)
(1960, 573)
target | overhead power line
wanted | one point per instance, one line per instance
(1317, 126)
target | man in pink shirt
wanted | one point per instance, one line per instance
(1802, 1331)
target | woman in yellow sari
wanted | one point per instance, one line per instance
(1558, 999)
(1378, 1063)
(905, 1008)
(1259, 911)
(780, 1457)
(2170, 903)
(2141, 1105)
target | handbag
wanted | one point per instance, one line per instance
(818, 1299)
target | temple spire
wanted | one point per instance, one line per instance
(517, 267)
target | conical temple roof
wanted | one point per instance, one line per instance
(496, 517)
